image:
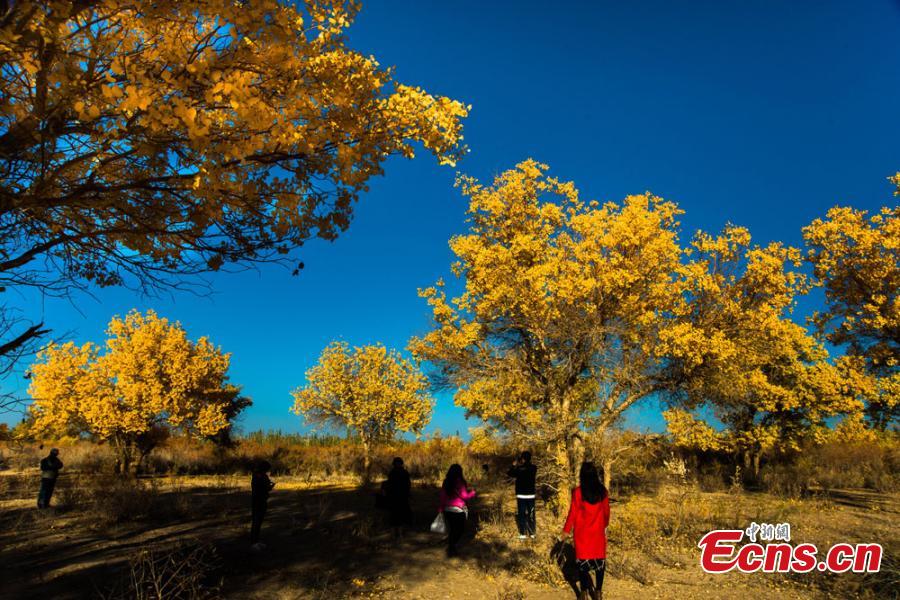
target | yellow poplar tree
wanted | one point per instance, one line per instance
(770, 382)
(372, 391)
(573, 312)
(569, 309)
(856, 258)
(141, 142)
(149, 377)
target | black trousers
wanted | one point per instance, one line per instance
(257, 516)
(598, 566)
(456, 525)
(46, 492)
(525, 517)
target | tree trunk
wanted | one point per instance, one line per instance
(606, 464)
(367, 457)
(574, 455)
(570, 453)
(125, 452)
(123, 462)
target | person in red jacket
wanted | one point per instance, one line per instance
(588, 519)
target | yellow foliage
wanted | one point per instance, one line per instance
(185, 134)
(371, 390)
(690, 432)
(483, 440)
(853, 428)
(566, 308)
(574, 311)
(855, 257)
(149, 375)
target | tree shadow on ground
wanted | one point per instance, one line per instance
(318, 541)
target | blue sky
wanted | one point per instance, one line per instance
(763, 114)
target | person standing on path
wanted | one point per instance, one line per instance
(588, 518)
(455, 492)
(396, 491)
(260, 486)
(50, 467)
(525, 475)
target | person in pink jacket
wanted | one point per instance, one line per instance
(455, 492)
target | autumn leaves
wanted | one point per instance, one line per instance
(146, 144)
(369, 390)
(573, 312)
(148, 380)
(143, 144)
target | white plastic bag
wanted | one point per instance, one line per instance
(438, 525)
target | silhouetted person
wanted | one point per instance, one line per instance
(50, 467)
(396, 491)
(525, 474)
(260, 486)
(588, 519)
(455, 492)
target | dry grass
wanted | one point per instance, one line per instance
(183, 572)
(657, 517)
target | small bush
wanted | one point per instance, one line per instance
(510, 591)
(184, 572)
(113, 499)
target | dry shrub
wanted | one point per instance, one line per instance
(364, 528)
(429, 459)
(314, 513)
(635, 460)
(510, 591)
(864, 586)
(19, 485)
(647, 532)
(69, 495)
(315, 458)
(635, 529)
(184, 456)
(77, 455)
(789, 481)
(22, 457)
(112, 499)
(872, 465)
(886, 582)
(679, 515)
(630, 564)
(534, 560)
(87, 457)
(184, 572)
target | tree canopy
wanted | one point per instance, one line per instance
(856, 259)
(142, 142)
(574, 311)
(372, 391)
(149, 377)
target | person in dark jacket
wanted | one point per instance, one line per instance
(50, 467)
(260, 486)
(525, 474)
(396, 491)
